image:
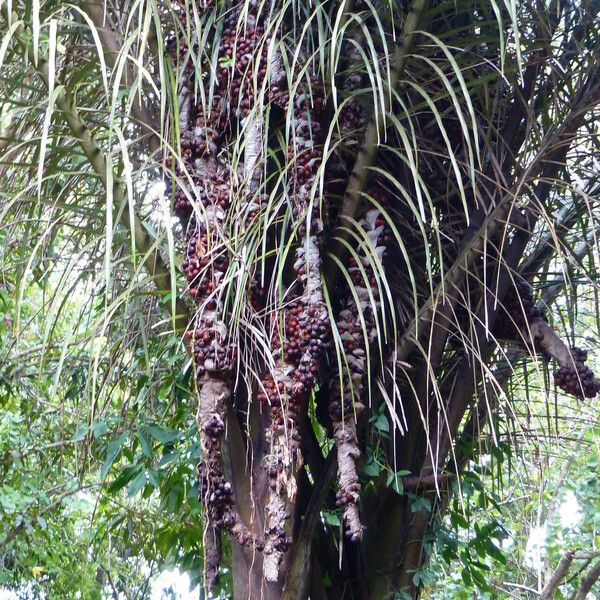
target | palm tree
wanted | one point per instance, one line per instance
(357, 215)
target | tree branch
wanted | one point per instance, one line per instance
(558, 575)
(425, 483)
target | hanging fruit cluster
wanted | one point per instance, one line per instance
(518, 309)
(351, 118)
(212, 351)
(301, 330)
(356, 335)
(297, 344)
(202, 200)
(208, 334)
(578, 379)
(200, 181)
(206, 265)
(242, 56)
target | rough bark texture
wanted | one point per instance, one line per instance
(348, 452)
(357, 327)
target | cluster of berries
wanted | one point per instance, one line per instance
(179, 50)
(197, 262)
(301, 333)
(232, 93)
(279, 540)
(208, 337)
(351, 121)
(244, 57)
(519, 309)
(303, 153)
(301, 336)
(345, 497)
(578, 380)
(207, 186)
(214, 491)
(300, 339)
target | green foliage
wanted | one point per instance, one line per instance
(89, 505)
(482, 546)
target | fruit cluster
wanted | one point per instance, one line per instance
(518, 309)
(215, 492)
(297, 343)
(243, 56)
(351, 117)
(204, 184)
(180, 52)
(579, 379)
(240, 59)
(207, 184)
(197, 262)
(300, 334)
(304, 154)
(519, 306)
(204, 271)
(199, 147)
(301, 329)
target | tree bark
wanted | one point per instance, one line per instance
(558, 575)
